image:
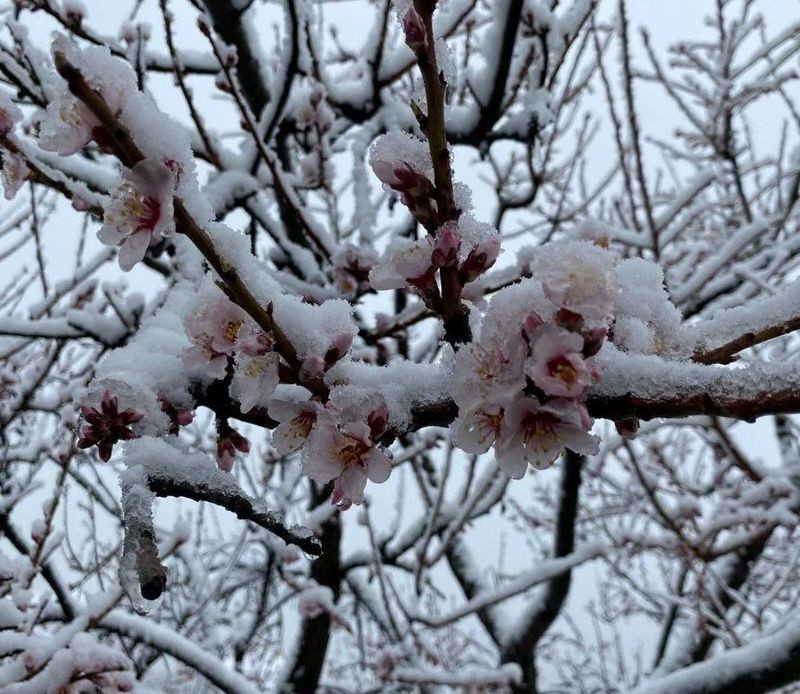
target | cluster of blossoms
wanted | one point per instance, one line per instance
(468, 245)
(402, 163)
(339, 441)
(521, 386)
(111, 422)
(107, 425)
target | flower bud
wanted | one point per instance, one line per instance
(414, 29)
(446, 245)
(479, 260)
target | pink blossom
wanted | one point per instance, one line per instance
(14, 173)
(556, 364)
(487, 374)
(296, 420)
(403, 262)
(140, 211)
(67, 125)
(10, 115)
(214, 330)
(446, 245)
(477, 428)
(347, 455)
(536, 434)
(578, 276)
(254, 378)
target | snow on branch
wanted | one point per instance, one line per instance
(767, 664)
(158, 468)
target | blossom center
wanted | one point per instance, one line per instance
(562, 369)
(140, 211)
(539, 427)
(231, 329)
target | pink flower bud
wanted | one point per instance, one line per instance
(378, 420)
(480, 259)
(414, 29)
(312, 368)
(446, 245)
(593, 341)
(341, 344)
(228, 442)
(531, 325)
(569, 320)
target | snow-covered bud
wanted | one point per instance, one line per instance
(385, 664)
(531, 326)
(221, 82)
(312, 368)
(79, 204)
(204, 24)
(446, 245)
(414, 30)
(339, 347)
(230, 56)
(479, 260)
(74, 11)
(569, 320)
(593, 341)
(290, 554)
